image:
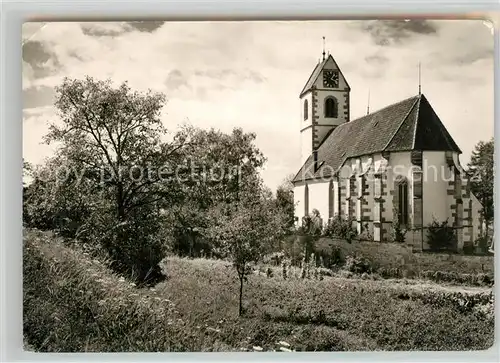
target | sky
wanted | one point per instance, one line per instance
(249, 74)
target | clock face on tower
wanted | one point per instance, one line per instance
(331, 78)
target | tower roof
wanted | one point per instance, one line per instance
(407, 125)
(316, 73)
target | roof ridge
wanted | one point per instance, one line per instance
(310, 77)
(340, 71)
(416, 126)
(402, 122)
(377, 111)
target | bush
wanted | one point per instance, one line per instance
(135, 247)
(337, 257)
(340, 227)
(358, 264)
(483, 242)
(311, 224)
(365, 234)
(275, 258)
(468, 249)
(441, 237)
(390, 272)
(398, 234)
(480, 279)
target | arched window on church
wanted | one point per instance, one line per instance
(331, 195)
(306, 110)
(331, 107)
(402, 199)
(306, 200)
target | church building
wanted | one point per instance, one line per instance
(396, 164)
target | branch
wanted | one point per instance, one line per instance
(96, 137)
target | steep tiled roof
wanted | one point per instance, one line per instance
(410, 124)
(315, 74)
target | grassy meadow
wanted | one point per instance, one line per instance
(74, 303)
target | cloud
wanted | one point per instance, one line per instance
(146, 26)
(114, 29)
(175, 80)
(376, 59)
(34, 97)
(42, 61)
(105, 29)
(391, 32)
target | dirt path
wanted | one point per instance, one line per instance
(397, 284)
(416, 285)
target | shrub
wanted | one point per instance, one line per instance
(365, 234)
(441, 237)
(311, 224)
(135, 247)
(468, 249)
(337, 257)
(275, 258)
(341, 227)
(358, 264)
(483, 242)
(480, 279)
(398, 234)
(325, 271)
(390, 272)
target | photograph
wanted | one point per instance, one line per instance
(258, 186)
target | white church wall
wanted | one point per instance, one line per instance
(476, 220)
(336, 201)
(305, 144)
(436, 176)
(399, 165)
(318, 197)
(476, 204)
(306, 128)
(363, 192)
(298, 199)
(366, 167)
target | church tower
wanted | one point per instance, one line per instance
(324, 105)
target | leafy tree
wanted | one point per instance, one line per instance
(243, 231)
(27, 172)
(481, 170)
(57, 198)
(117, 137)
(186, 224)
(284, 200)
(222, 167)
(219, 162)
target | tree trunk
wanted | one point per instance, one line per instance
(120, 202)
(241, 294)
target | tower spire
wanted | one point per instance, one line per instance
(419, 80)
(323, 48)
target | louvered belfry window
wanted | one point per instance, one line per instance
(331, 107)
